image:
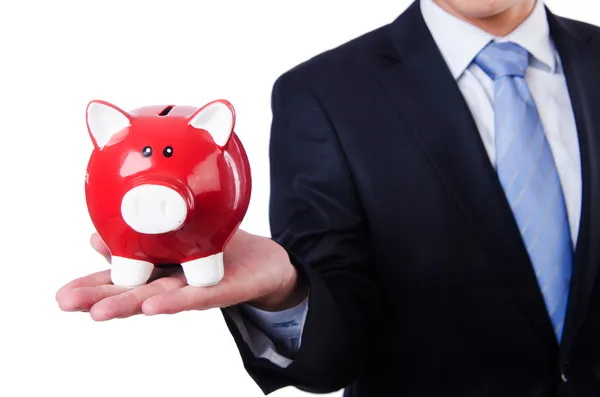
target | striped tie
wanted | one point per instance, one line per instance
(527, 172)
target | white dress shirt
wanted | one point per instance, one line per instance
(459, 43)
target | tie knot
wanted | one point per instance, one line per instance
(503, 59)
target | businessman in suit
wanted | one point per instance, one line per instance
(435, 214)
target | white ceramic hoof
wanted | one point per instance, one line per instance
(204, 272)
(130, 272)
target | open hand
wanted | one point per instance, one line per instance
(257, 271)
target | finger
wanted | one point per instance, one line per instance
(84, 298)
(192, 298)
(129, 303)
(100, 247)
(91, 280)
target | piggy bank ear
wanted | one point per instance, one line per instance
(217, 118)
(105, 120)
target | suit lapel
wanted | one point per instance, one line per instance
(428, 98)
(581, 64)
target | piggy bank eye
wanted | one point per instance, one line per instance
(168, 152)
(147, 151)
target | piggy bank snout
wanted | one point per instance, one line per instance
(154, 209)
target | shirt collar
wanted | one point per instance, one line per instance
(459, 41)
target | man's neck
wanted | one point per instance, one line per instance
(500, 24)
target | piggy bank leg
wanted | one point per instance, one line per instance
(204, 272)
(130, 272)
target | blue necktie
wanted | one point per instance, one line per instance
(527, 172)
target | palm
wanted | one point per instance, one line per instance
(254, 268)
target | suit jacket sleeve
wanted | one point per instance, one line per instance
(316, 216)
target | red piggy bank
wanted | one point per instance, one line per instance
(165, 185)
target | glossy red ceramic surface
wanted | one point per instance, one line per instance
(213, 180)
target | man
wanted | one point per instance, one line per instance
(436, 188)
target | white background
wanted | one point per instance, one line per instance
(55, 56)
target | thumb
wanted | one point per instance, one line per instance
(100, 247)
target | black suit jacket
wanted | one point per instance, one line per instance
(385, 198)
